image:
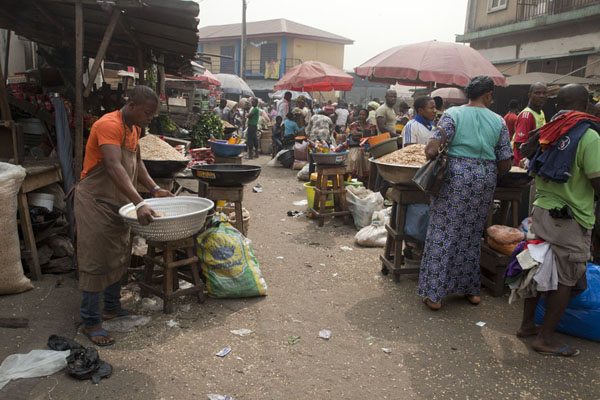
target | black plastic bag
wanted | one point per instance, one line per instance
(60, 343)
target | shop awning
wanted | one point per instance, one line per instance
(167, 27)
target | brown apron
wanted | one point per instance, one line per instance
(103, 239)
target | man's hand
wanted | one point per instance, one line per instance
(163, 193)
(145, 215)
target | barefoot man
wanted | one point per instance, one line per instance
(563, 212)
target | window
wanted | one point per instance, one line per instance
(496, 5)
(227, 64)
(560, 66)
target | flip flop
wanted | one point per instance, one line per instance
(564, 351)
(432, 305)
(99, 333)
(121, 312)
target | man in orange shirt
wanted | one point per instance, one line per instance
(111, 168)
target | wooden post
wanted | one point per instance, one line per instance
(140, 57)
(78, 87)
(6, 53)
(4, 106)
(160, 69)
(114, 18)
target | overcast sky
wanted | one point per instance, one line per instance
(374, 25)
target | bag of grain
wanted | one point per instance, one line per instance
(12, 279)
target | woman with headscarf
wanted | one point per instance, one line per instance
(358, 165)
(479, 150)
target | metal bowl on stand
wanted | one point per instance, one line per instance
(395, 174)
(226, 174)
(164, 169)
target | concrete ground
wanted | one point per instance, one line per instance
(316, 285)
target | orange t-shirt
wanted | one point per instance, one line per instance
(108, 130)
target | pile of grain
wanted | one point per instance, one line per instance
(154, 148)
(413, 155)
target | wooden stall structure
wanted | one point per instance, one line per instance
(130, 32)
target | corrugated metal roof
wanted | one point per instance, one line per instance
(268, 28)
(163, 26)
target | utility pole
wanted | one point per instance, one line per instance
(243, 44)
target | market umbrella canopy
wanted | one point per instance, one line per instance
(450, 95)
(422, 63)
(206, 76)
(233, 84)
(315, 76)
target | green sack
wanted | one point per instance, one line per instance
(229, 266)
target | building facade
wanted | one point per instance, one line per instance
(522, 36)
(272, 48)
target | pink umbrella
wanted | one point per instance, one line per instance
(427, 62)
(315, 76)
(450, 95)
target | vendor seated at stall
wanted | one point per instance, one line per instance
(358, 164)
(291, 129)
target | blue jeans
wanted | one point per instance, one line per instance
(90, 304)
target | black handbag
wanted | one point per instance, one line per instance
(430, 177)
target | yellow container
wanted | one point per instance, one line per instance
(310, 196)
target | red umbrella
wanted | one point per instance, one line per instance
(315, 76)
(206, 76)
(426, 62)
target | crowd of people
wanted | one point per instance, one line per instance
(340, 125)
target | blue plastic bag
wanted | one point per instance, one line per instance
(417, 221)
(582, 317)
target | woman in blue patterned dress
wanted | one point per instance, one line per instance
(479, 150)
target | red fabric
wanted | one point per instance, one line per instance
(510, 119)
(315, 76)
(433, 61)
(562, 124)
(525, 123)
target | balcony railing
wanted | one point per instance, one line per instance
(530, 9)
(254, 68)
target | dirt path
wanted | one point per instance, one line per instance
(318, 286)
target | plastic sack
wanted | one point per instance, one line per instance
(273, 162)
(12, 278)
(32, 365)
(301, 151)
(228, 263)
(304, 175)
(582, 316)
(362, 203)
(374, 235)
(417, 221)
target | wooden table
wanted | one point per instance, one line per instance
(40, 173)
